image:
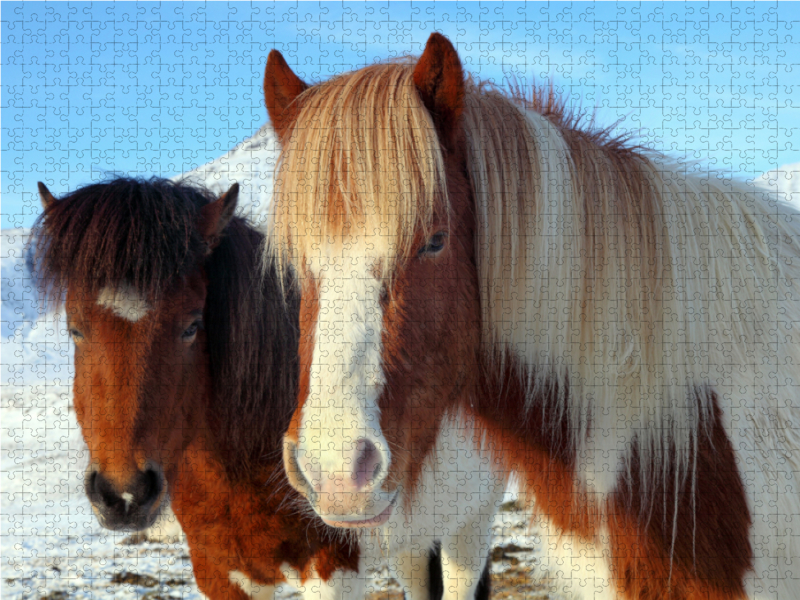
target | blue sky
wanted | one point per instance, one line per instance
(144, 88)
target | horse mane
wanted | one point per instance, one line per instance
(374, 181)
(253, 336)
(144, 233)
(626, 265)
(139, 232)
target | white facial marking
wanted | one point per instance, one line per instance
(128, 498)
(124, 301)
(250, 587)
(346, 373)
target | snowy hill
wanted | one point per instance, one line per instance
(785, 180)
(251, 164)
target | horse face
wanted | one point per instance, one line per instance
(382, 358)
(140, 377)
(381, 362)
(141, 366)
(430, 337)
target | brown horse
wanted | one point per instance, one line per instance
(485, 277)
(185, 378)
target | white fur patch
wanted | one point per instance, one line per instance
(124, 301)
(346, 373)
(251, 588)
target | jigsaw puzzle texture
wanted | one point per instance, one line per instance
(177, 90)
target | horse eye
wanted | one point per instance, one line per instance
(434, 245)
(75, 334)
(191, 331)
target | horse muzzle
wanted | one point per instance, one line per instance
(135, 506)
(346, 492)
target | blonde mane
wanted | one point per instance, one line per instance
(362, 166)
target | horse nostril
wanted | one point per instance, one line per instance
(101, 490)
(150, 486)
(145, 489)
(298, 479)
(369, 463)
(90, 484)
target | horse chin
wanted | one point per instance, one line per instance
(380, 513)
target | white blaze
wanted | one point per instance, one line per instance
(124, 301)
(346, 376)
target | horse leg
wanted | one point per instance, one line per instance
(460, 489)
(436, 577)
(484, 589)
(343, 585)
(412, 567)
(464, 567)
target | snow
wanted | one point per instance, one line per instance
(251, 164)
(784, 180)
(50, 541)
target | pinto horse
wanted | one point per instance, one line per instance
(185, 378)
(486, 277)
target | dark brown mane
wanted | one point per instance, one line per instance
(139, 232)
(144, 233)
(252, 337)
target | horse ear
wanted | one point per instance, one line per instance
(215, 216)
(281, 87)
(439, 79)
(45, 196)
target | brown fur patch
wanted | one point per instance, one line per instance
(712, 550)
(536, 441)
(426, 369)
(250, 527)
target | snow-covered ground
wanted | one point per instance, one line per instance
(51, 545)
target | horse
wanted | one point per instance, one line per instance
(185, 375)
(486, 273)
